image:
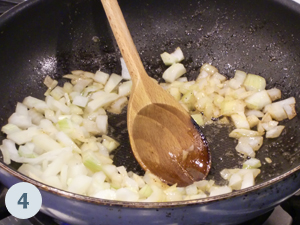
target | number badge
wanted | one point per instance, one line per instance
(23, 200)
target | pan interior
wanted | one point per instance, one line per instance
(53, 37)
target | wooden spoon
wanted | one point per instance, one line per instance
(163, 137)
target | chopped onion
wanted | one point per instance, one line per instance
(254, 142)
(252, 163)
(125, 73)
(254, 83)
(174, 72)
(274, 132)
(63, 140)
(112, 82)
(80, 101)
(245, 149)
(101, 77)
(258, 100)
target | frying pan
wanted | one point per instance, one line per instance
(53, 37)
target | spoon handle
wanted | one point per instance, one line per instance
(124, 40)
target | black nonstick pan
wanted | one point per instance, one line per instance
(53, 37)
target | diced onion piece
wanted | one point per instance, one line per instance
(240, 121)
(232, 107)
(191, 189)
(178, 54)
(238, 79)
(68, 88)
(203, 74)
(173, 72)
(35, 116)
(172, 58)
(187, 87)
(57, 92)
(290, 110)
(220, 190)
(125, 88)
(258, 100)
(10, 128)
(256, 113)
(87, 74)
(31, 171)
(252, 163)
(77, 72)
(237, 133)
(91, 161)
(274, 94)
(91, 89)
(101, 101)
(173, 194)
(125, 194)
(275, 132)
(26, 151)
(208, 68)
(101, 77)
(124, 73)
(219, 76)
(260, 128)
(80, 184)
(288, 101)
(252, 120)
(112, 82)
(80, 101)
(245, 149)
(106, 194)
(182, 79)
(244, 95)
(23, 136)
(235, 181)
(223, 120)
(66, 141)
(5, 153)
(21, 109)
(102, 123)
(227, 173)
(157, 195)
(90, 126)
(176, 84)
(174, 91)
(49, 82)
(168, 59)
(254, 83)
(276, 111)
(57, 105)
(98, 183)
(269, 125)
(189, 98)
(254, 142)
(248, 180)
(38, 104)
(81, 84)
(110, 143)
(117, 106)
(22, 121)
(53, 181)
(45, 142)
(56, 165)
(237, 92)
(198, 119)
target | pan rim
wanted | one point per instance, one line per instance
(150, 205)
(127, 204)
